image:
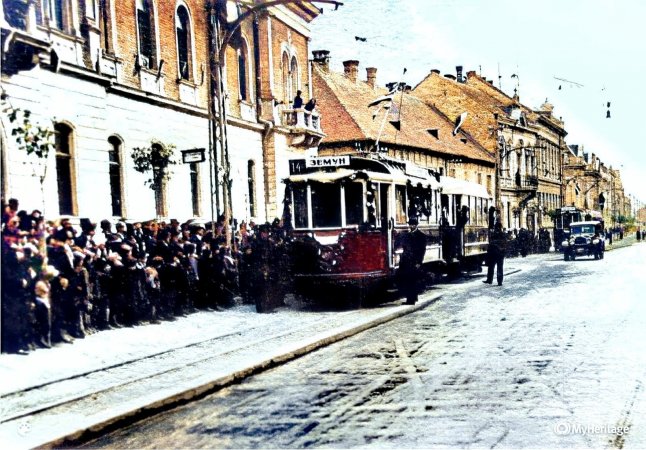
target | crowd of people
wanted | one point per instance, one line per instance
(61, 281)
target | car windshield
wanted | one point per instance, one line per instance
(582, 229)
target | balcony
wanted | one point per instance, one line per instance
(519, 183)
(304, 127)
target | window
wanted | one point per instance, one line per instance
(287, 90)
(183, 24)
(57, 13)
(400, 205)
(299, 192)
(105, 23)
(251, 185)
(293, 70)
(326, 205)
(195, 188)
(146, 33)
(64, 169)
(353, 203)
(90, 9)
(114, 160)
(242, 73)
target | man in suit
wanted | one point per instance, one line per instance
(414, 246)
(496, 254)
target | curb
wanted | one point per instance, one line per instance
(132, 413)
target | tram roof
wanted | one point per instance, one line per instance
(383, 170)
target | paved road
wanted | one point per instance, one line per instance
(554, 358)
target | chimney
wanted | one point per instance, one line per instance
(351, 69)
(450, 76)
(371, 74)
(458, 70)
(391, 85)
(322, 58)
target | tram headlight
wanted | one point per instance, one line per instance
(595, 241)
(565, 244)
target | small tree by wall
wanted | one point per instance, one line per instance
(156, 160)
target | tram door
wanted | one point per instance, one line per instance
(383, 204)
(384, 215)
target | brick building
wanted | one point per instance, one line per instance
(109, 76)
(525, 143)
(409, 130)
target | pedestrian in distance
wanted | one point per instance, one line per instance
(410, 264)
(496, 254)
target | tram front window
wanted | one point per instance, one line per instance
(326, 205)
(353, 203)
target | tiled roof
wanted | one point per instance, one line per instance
(345, 116)
(480, 99)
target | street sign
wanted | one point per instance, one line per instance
(193, 155)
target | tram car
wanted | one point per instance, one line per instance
(349, 214)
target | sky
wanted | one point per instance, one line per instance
(597, 46)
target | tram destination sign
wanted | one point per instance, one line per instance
(328, 161)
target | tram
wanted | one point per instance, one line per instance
(348, 215)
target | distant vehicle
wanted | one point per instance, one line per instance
(349, 216)
(562, 220)
(586, 239)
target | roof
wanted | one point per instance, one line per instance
(346, 117)
(480, 99)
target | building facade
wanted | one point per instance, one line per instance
(526, 144)
(110, 76)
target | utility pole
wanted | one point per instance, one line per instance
(221, 35)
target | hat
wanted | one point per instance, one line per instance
(413, 221)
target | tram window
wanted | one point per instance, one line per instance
(326, 205)
(400, 204)
(300, 206)
(353, 203)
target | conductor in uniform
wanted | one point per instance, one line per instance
(414, 247)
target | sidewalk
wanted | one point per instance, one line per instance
(53, 396)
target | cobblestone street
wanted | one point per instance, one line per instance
(554, 358)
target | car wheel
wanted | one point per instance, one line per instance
(596, 256)
(566, 257)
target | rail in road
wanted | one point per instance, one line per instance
(67, 409)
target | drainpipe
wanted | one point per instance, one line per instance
(268, 125)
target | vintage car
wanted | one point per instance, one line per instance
(586, 239)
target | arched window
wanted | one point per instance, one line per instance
(293, 70)
(251, 184)
(184, 57)
(106, 25)
(242, 72)
(64, 169)
(146, 33)
(287, 85)
(114, 161)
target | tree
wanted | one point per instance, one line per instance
(156, 159)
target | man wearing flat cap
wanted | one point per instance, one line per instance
(414, 246)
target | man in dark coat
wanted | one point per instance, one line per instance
(414, 246)
(496, 254)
